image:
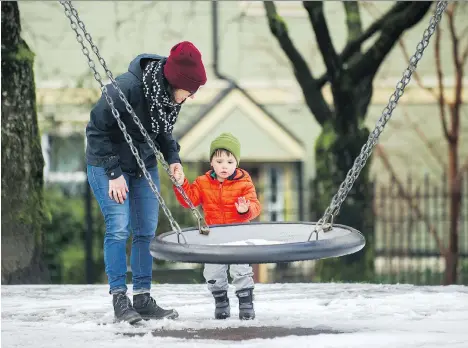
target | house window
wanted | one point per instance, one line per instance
(275, 194)
(64, 158)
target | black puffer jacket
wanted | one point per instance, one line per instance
(106, 145)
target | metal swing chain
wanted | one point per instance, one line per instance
(333, 209)
(175, 226)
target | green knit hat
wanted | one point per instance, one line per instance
(226, 141)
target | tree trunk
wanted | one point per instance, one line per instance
(23, 210)
(452, 135)
(337, 147)
(455, 206)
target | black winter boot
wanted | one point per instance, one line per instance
(146, 306)
(222, 307)
(123, 309)
(246, 307)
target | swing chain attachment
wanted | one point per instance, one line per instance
(334, 207)
(322, 227)
(70, 12)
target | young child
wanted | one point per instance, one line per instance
(227, 195)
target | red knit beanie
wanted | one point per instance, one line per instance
(184, 67)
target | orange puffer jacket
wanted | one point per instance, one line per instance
(218, 198)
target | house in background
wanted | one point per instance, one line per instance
(267, 112)
(272, 155)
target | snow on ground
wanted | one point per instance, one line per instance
(335, 315)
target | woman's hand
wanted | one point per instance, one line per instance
(178, 172)
(118, 189)
(179, 175)
(174, 167)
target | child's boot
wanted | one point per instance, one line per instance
(246, 307)
(222, 307)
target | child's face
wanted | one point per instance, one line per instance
(224, 164)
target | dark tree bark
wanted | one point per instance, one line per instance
(350, 75)
(23, 210)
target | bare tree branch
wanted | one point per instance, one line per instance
(324, 41)
(312, 93)
(464, 32)
(464, 35)
(390, 33)
(354, 46)
(455, 106)
(373, 10)
(380, 151)
(354, 24)
(397, 127)
(465, 55)
(440, 82)
(422, 136)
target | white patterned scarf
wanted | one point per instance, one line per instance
(163, 110)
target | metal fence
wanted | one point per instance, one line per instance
(409, 219)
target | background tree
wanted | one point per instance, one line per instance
(450, 111)
(350, 75)
(23, 212)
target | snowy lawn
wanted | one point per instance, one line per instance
(288, 315)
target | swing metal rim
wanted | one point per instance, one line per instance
(350, 243)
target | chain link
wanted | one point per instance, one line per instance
(333, 209)
(70, 12)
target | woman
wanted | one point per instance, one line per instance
(156, 87)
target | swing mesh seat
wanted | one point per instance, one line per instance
(262, 242)
(256, 242)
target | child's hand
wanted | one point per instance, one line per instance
(242, 205)
(179, 175)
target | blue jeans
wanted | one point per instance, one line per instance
(138, 212)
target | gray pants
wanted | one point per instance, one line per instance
(216, 277)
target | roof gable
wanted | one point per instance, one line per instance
(261, 136)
